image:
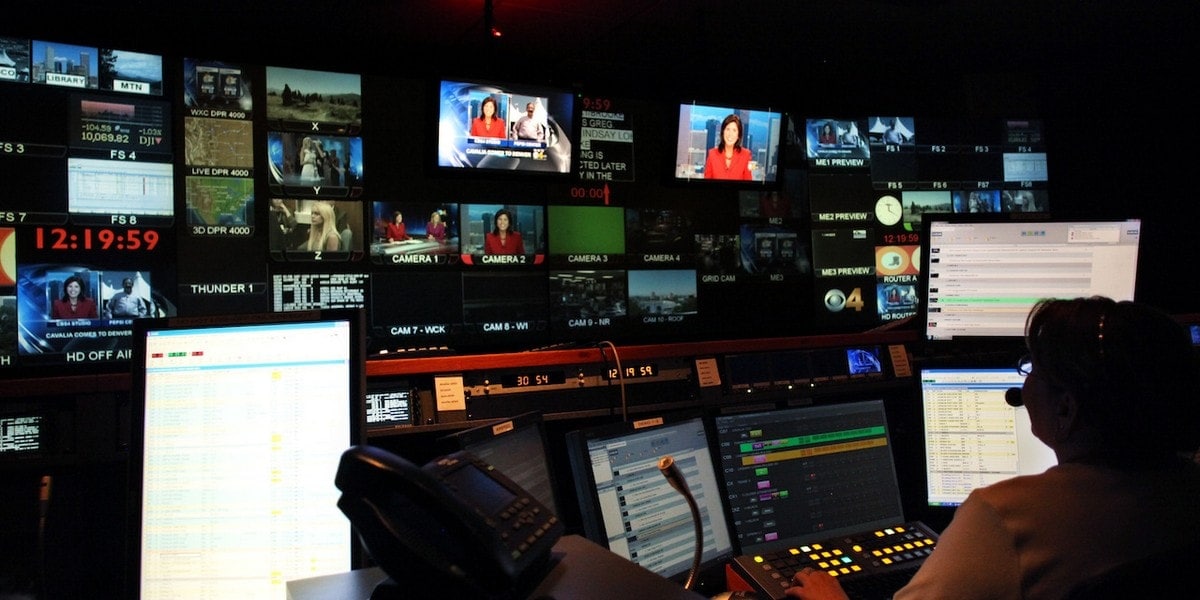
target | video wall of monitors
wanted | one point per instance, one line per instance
(464, 214)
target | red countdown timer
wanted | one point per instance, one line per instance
(87, 238)
(595, 103)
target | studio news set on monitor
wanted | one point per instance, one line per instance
(303, 328)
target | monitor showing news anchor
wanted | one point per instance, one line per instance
(727, 143)
(79, 314)
(503, 234)
(838, 143)
(415, 233)
(504, 128)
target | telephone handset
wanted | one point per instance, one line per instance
(456, 520)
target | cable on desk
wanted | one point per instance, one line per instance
(620, 376)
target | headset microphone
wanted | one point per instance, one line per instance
(1013, 397)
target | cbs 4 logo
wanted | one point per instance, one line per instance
(836, 300)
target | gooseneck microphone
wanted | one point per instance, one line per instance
(674, 476)
(1013, 397)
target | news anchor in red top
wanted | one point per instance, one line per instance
(488, 123)
(728, 160)
(75, 303)
(396, 231)
(503, 239)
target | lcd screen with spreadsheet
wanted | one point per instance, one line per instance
(981, 276)
(238, 427)
(973, 437)
(628, 505)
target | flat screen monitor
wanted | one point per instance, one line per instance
(517, 447)
(842, 143)
(981, 276)
(628, 505)
(973, 437)
(793, 476)
(238, 426)
(391, 404)
(586, 234)
(701, 136)
(91, 334)
(504, 127)
(311, 101)
(22, 433)
(318, 290)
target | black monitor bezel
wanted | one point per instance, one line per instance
(579, 459)
(672, 131)
(502, 428)
(570, 129)
(142, 327)
(991, 347)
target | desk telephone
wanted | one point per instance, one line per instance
(456, 525)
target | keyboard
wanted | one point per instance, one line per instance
(871, 565)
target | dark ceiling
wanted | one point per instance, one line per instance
(715, 44)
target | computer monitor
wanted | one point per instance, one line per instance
(628, 505)
(517, 447)
(981, 275)
(238, 426)
(797, 475)
(973, 437)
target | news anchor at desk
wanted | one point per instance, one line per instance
(396, 231)
(396, 239)
(435, 229)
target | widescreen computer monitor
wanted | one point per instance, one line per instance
(628, 505)
(981, 277)
(517, 447)
(796, 475)
(238, 426)
(973, 437)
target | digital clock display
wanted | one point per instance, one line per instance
(595, 103)
(901, 238)
(88, 238)
(633, 371)
(532, 379)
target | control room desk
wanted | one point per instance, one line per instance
(582, 570)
